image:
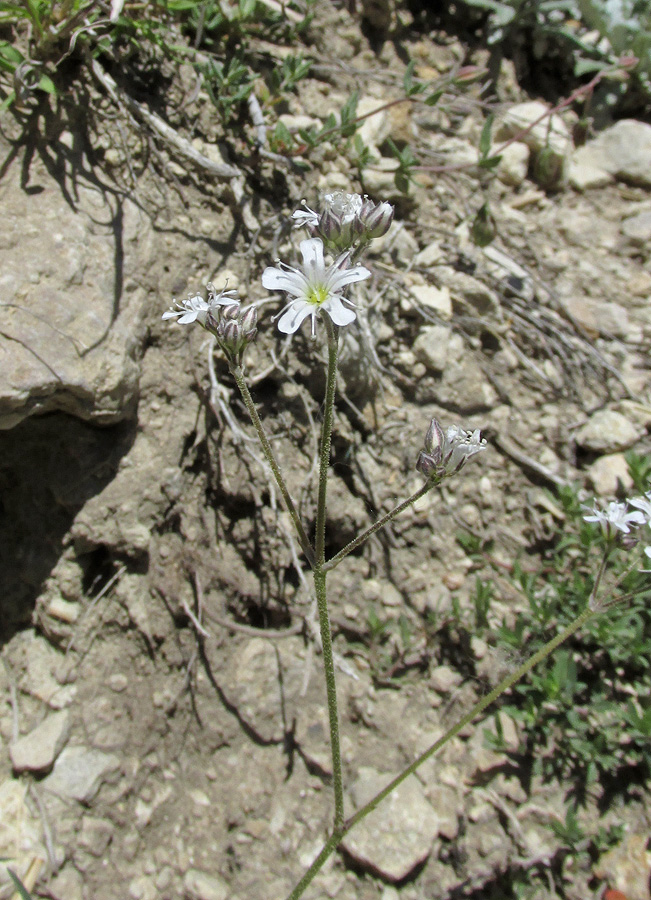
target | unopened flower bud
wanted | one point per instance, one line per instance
(377, 220)
(249, 323)
(445, 453)
(231, 311)
(470, 74)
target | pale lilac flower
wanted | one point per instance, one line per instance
(644, 505)
(614, 518)
(196, 309)
(315, 287)
(447, 452)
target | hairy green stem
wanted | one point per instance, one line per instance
(376, 526)
(338, 834)
(326, 438)
(320, 575)
(306, 546)
(331, 690)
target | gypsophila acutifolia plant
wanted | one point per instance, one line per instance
(340, 231)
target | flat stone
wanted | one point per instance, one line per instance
(585, 176)
(623, 150)
(513, 166)
(434, 298)
(69, 342)
(550, 134)
(638, 228)
(398, 836)
(444, 679)
(597, 317)
(435, 345)
(36, 751)
(609, 474)
(607, 431)
(79, 772)
(200, 886)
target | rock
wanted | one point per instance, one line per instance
(431, 297)
(142, 888)
(584, 176)
(20, 833)
(67, 884)
(430, 255)
(443, 679)
(548, 138)
(607, 431)
(41, 661)
(375, 128)
(597, 317)
(627, 867)
(623, 150)
(398, 836)
(513, 166)
(200, 886)
(638, 228)
(79, 772)
(379, 179)
(609, 474)
(36, 751)
(71, 336)
(296, 123)
(95, 835)
(435, 345)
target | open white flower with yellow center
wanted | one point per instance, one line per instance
(315, 287)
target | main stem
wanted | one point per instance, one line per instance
(306, 546)
(320, 576)
(339, 833)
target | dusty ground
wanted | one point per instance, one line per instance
(132, 493)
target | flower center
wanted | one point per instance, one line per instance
(317, 294)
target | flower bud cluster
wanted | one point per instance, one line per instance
(446, 453)
(234, 329)
(346, 220)
(221, 315)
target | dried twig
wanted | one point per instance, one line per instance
(165, 131)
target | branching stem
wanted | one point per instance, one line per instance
(338, 834)
(306, 546)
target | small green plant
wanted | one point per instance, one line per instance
(571, 705)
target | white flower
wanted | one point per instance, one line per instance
(447, 452)
(305, 216)
(315, 287)
(614, 518)
(346, 206)
(196, 309)
(643, 504)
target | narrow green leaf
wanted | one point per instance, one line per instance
(20, 887)
(485, 139)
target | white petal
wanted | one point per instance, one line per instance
(312, 250)
(172, 313)
(275, 279)
(339, 279)
(189, 316)
(297, 312)
(339, 314)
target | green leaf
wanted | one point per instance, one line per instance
(20, 887)
(433, 99)
(46, 84)
(485, 139)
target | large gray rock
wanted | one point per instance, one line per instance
(607, 431)
(36, 751)
(78, 773)
(71, 314)
(623, 150)
(398, 835)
